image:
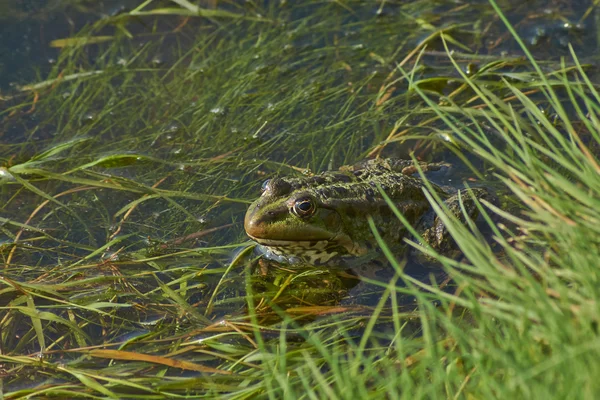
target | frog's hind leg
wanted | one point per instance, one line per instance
(434, 232)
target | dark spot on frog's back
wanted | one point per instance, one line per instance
(316, 180)
(341, 178)
(369, 195)
(339, 191)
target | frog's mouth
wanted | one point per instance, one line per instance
(314, 252)
(320, 245)
(325, 249)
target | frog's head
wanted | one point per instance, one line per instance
(296, 219)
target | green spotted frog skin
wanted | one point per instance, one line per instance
(323, 219)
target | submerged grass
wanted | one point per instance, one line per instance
(125, 174)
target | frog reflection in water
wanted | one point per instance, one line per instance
(323, 219)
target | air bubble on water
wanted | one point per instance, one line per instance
(157, 61)
(171, 128)
(89, 117)
(445, 137)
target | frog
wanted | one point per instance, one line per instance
(323, 219)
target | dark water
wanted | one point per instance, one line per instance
(28, 26)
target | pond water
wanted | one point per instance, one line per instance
(209, 107)
(130, 154)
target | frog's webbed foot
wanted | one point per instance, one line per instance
(434, 232)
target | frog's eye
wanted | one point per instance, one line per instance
(265, 184)
(304, 207)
